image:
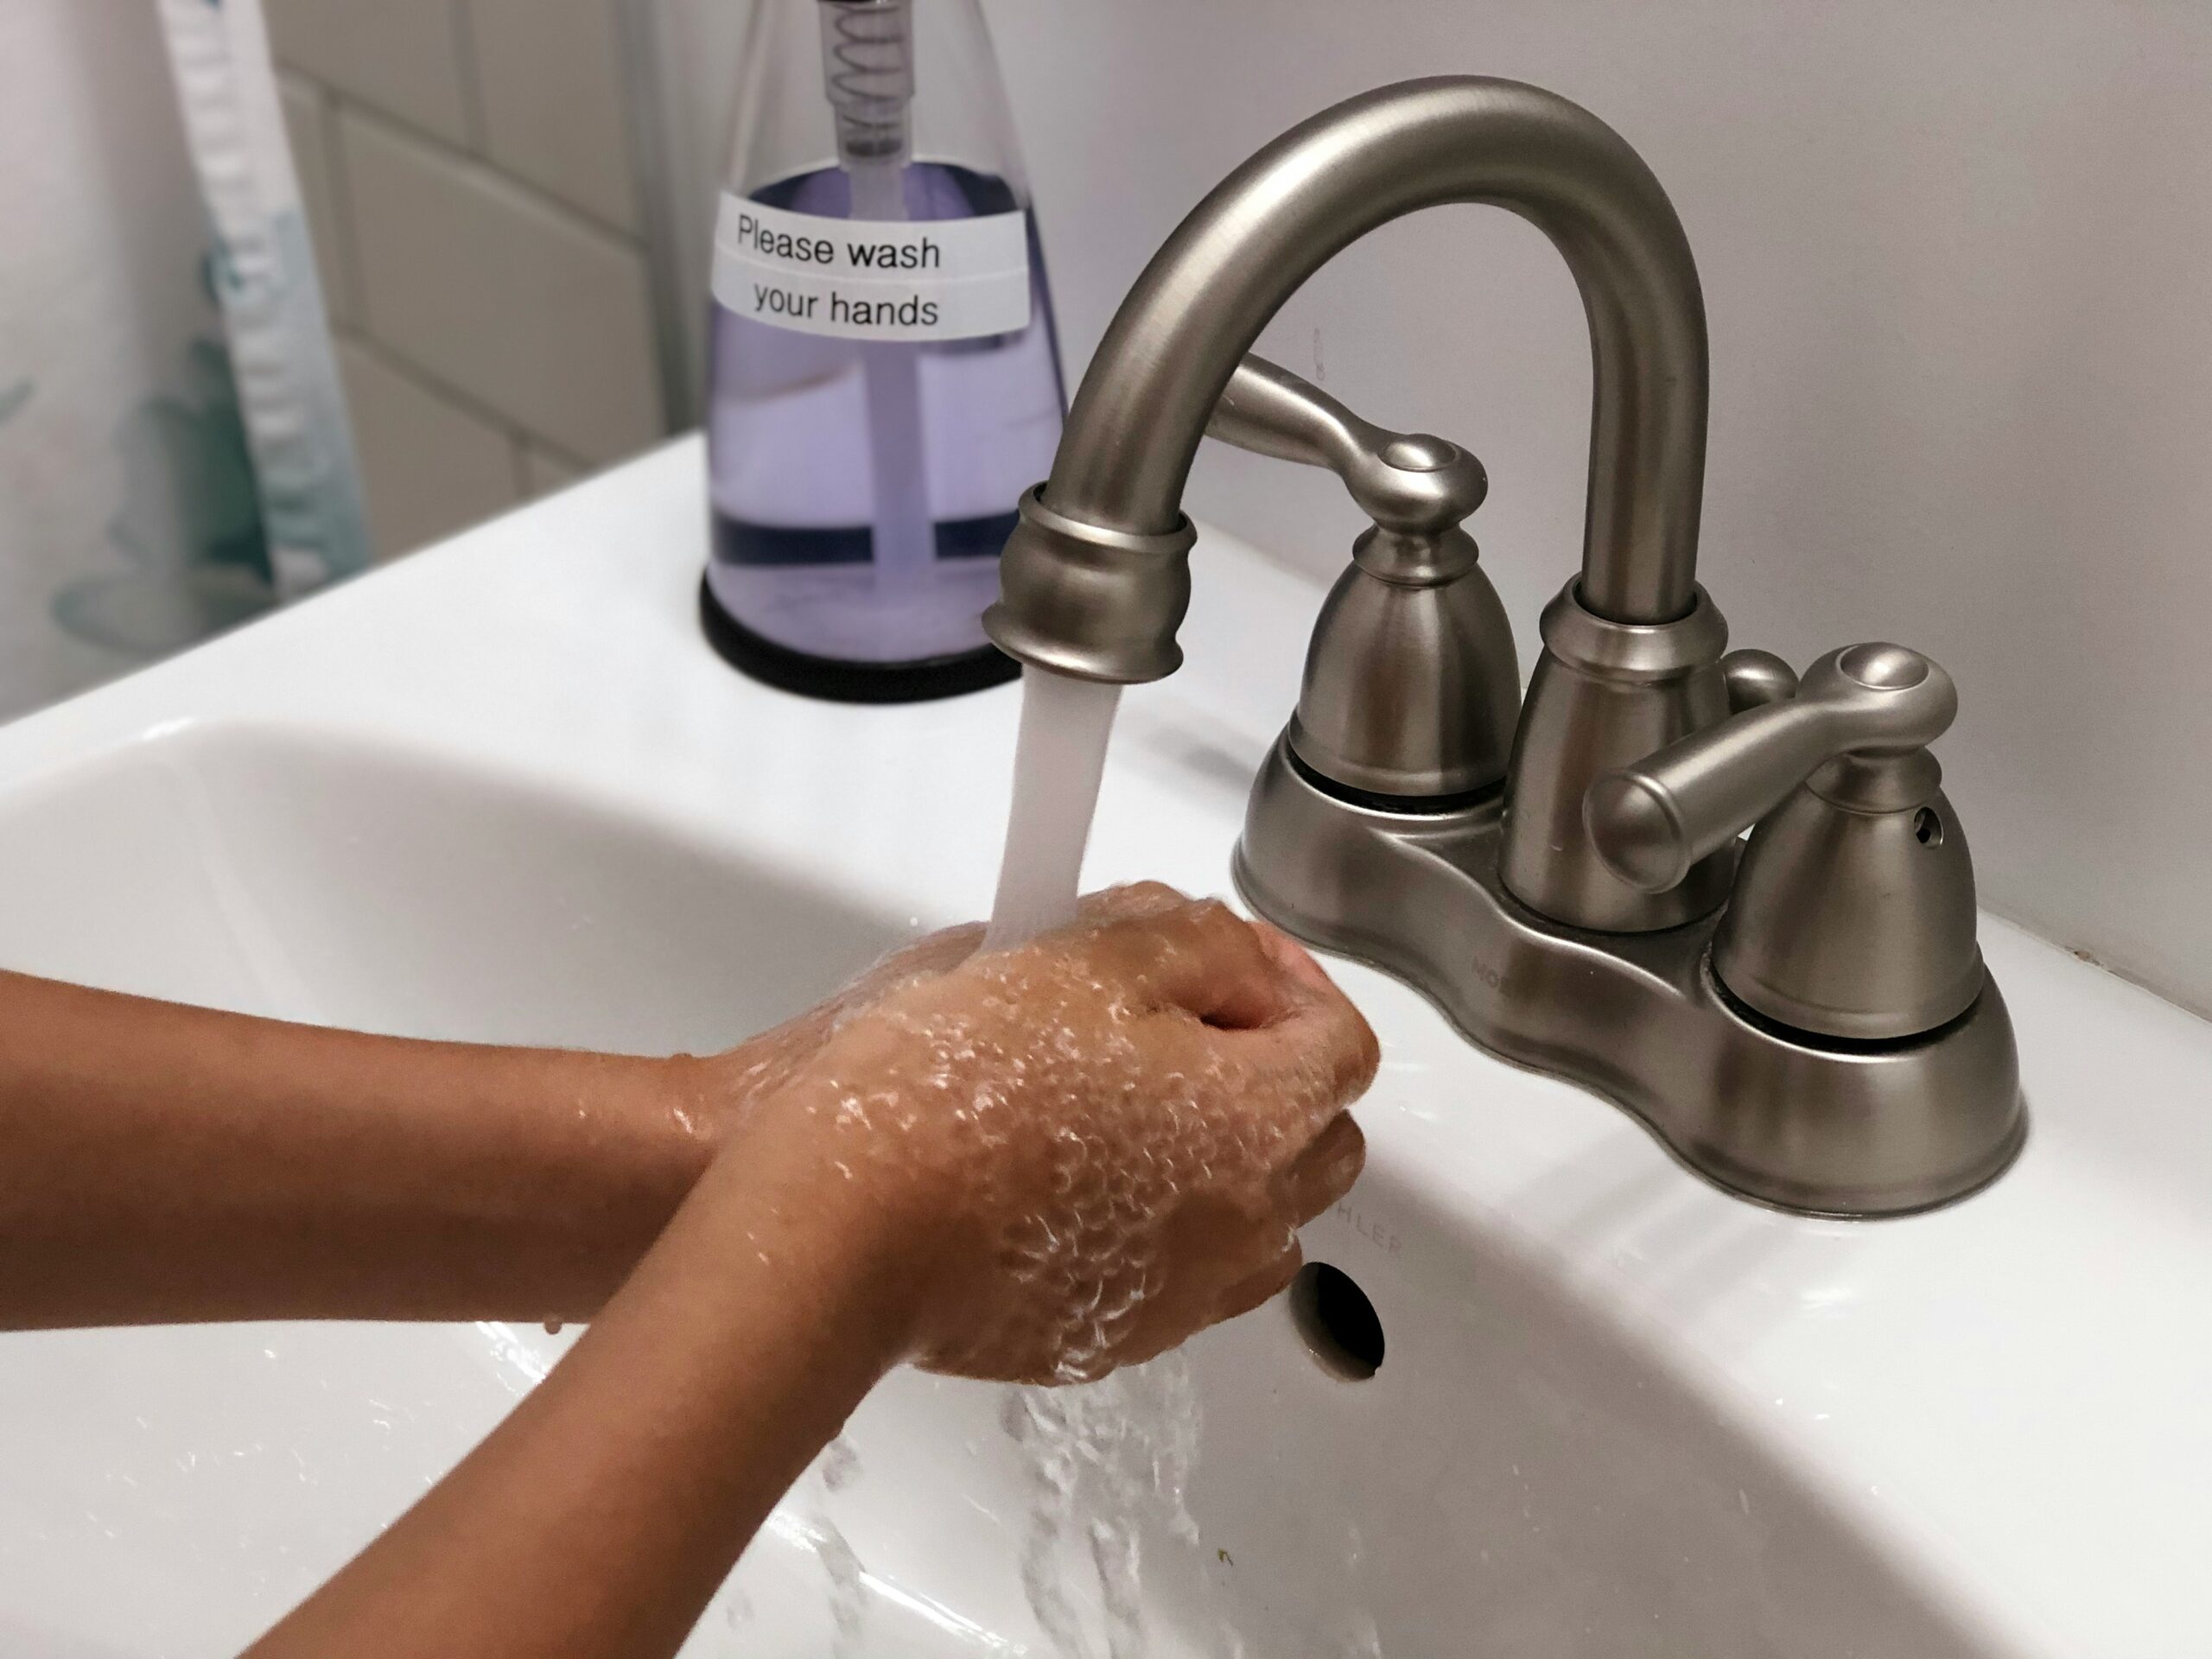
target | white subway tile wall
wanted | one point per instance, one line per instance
(532, 313)
(428, 467)
(467, 176)
(550, 76)
(403, 56)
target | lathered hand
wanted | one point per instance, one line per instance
(1097, 1143)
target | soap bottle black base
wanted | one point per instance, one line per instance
(837, 681)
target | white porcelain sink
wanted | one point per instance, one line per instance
(502, 792)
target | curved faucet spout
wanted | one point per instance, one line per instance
(1079, 601)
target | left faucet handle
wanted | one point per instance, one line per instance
(1409, 482)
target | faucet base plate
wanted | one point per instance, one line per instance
(1815, 1125)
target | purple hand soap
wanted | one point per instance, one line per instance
(885, 380)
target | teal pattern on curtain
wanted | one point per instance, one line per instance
(174, 455)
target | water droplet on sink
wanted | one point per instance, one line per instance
(840, 1465)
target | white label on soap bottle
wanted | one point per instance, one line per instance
(866, 279)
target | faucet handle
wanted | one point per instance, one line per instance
(1411, 687)
(1409, 482)
(1652, 821)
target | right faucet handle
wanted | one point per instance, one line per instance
(1652, 821)
(1405, 481)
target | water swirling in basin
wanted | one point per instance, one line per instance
(835, 1470)
(1107, 1465)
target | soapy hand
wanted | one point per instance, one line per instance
(1032, 1165)
(1094, 1145)
(723, 1089)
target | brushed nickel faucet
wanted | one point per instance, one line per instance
(1803, 1018)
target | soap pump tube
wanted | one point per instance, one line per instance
(885, 380)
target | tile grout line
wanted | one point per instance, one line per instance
(518, 466)
(430, 383)
(560, 456)
(577, 218)
(462, 16)
(347, 252)
(511, 438)
(444, 162)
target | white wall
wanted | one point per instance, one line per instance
(1957, 258)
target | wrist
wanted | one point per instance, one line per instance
(818, 1201)
(660, 1135)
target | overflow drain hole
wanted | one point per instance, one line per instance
(1336, 1321)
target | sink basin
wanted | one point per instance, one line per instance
(172, 1490)
(265, 869)
(502, 793)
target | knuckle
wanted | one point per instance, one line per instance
(1158, 892)
(1132, 899)
(1367, 1057)
(1218, 929)
(1355, 1055)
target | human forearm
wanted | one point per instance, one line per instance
(598, 1519)
(197, 1164)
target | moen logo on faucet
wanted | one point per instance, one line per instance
(937, 279)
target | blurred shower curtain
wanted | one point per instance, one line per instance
(173, 453)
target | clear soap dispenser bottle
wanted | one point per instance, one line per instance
(885, 380)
